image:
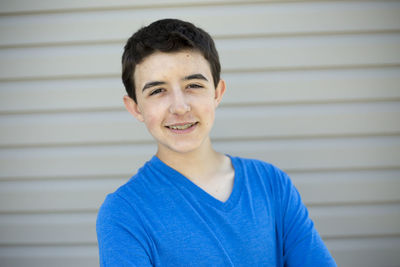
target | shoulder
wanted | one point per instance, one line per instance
(120, 201)
(257, 167)
(121, 228)
(128, 196)
(261, 173)
(146, 192)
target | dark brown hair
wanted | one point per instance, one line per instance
(166, 35)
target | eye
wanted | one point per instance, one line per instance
(156, 91)
(194, 86)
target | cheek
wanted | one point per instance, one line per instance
(154, 113)
(209, 111)
(209, 105)
(150, 120)
(151, 117)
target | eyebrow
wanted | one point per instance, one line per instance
(196, 76)
(152, 84)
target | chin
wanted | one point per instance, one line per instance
(183, 148)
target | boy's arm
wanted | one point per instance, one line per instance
(121, 240)
(302, 245)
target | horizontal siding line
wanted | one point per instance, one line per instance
(127, 176)
(298, 103)
(335, 170)
(229, 71)
(352, 204)
(130, 174)
(46, 247)
(306, 34)
(141, 7)
(302, 137)
(215, 37)
(222, 105)
(94, 211)
(383, 238)
(48, 244)
(49, 212)
(312, 68)
(71, 43)
(64, 77)
(214, 140)
(95, 110)
(223, 72)
(40, 246)
(228, 105)
(341, 169)
(257, 71)
(80, 244)
(76, 144)
(91, 210)
(297, 177)
(146, 5)
(115, 176)
(94, 244)
(359, 237)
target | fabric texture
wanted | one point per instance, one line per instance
(160, 218)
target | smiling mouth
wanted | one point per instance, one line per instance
(182, 126)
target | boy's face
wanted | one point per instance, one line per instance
(176, 99)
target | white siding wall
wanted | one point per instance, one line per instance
(313, 87)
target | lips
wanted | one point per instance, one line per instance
(181, 126)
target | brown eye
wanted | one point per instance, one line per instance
(194, 86)
(156, 91)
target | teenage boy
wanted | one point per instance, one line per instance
(190, 205)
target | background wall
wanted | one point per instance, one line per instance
(313, 87)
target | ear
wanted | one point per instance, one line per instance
(133, 108)
(219, 92)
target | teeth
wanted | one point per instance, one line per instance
(181, 127)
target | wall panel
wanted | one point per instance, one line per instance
(264, 87)
(232, 20)
(77, 228)
(232, 122)
(347, 153)
(313, 87)
(367, 251)
(86, 195)
(274, 53)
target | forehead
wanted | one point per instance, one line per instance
(161, 66)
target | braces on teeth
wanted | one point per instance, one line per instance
(181, 127)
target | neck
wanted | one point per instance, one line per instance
(194, 164)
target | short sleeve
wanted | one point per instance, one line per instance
(302, 245)
(121, 238)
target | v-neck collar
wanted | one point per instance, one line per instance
(182, 181)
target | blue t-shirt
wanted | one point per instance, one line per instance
(161, 218)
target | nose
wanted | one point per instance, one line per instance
(179, 103)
